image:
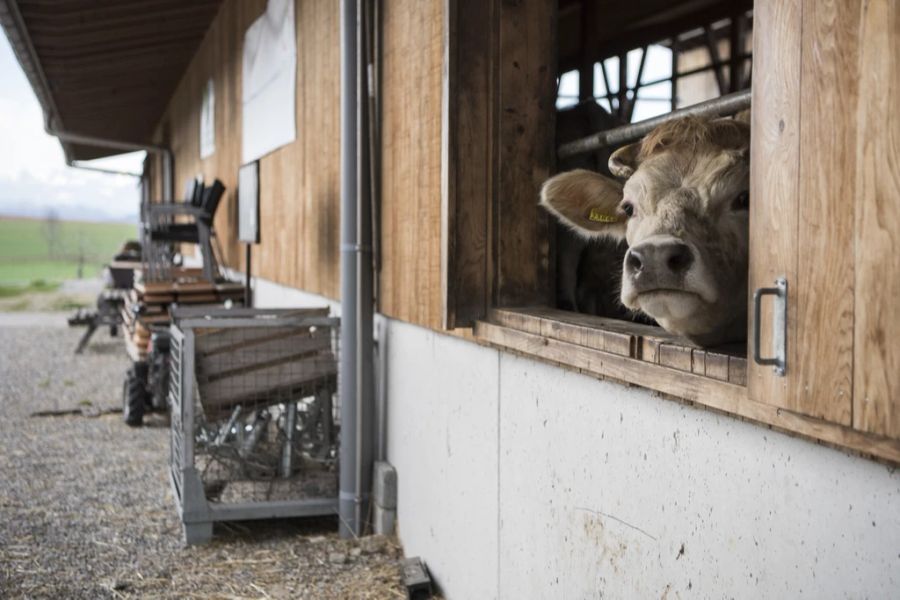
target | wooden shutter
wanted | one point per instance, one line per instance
(876, 342)
(499, 93)
(467, 158)
(825, 185)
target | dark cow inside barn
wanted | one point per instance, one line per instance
(587, 268)
(683, 212)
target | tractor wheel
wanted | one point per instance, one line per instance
(133, 399)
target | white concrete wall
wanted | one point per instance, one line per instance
(613, 483)
(267, 294)
(442, 439)
(517, 479)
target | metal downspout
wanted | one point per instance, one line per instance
(356, 369)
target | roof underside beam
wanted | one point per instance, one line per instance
(105, 70)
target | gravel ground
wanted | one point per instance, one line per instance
(85, 505)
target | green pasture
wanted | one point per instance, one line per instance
(36, 253)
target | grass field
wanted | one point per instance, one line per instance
(37, 250)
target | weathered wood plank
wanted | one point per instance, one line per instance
(158, 298)
(717, 366)
(636, 340)
(526, 150)
(247, 358)
(737, 370)
(262, 384)
(774, 173)
(571, 327)
(215, 340)
(600, 323)
(675, 357)
(698, 361)
(469, 160)
(525, 321)
(876, 381)
(649, 349)
(412, 75)
(823, 384)
(260, 349)
(683, 385)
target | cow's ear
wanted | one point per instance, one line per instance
(732, 134)
(587, 202)
(624, 161)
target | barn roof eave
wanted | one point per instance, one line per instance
(104, 72)
(17, 35)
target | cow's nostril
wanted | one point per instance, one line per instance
(634, 261)
(680, 258)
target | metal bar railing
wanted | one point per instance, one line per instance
(717, 107)
(644, 84)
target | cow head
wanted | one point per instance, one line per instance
(683, 210)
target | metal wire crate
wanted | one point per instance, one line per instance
(254, 431)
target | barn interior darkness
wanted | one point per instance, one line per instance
(624, 62)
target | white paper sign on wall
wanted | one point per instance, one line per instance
(269, 81)
(248, 203)
(208, 121)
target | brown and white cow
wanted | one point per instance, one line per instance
(683, 211)
(587, 268)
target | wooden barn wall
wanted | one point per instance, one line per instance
(410, 277)
(299, 182)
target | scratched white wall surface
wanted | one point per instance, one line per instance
(517, 479)
(442, 439)
(608, 491)
(590, 489)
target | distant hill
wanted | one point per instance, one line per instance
(53, 249)
(13, 208)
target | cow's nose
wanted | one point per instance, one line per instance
(678, 257)
(634, 261)
(671, 257)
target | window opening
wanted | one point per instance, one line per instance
(700, 58)
(567, 86)
(703, 69)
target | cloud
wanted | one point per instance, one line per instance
(27, 195)
(33, 175)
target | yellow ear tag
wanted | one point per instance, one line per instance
(598, 217)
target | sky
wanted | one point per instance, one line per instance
(652, 100)
(34, 178)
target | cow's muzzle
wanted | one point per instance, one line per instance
(659, 263)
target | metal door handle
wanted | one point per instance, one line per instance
(779, 326)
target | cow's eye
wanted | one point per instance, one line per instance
(628, 209)
(741, 201)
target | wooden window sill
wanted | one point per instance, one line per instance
(634, 340)
(638, 354)
(649, 357)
